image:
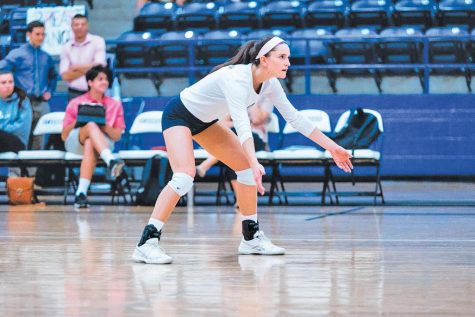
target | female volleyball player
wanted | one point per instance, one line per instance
(230, 88)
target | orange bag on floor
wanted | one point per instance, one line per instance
(20, 190)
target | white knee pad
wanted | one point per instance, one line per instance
(181, 183)
(246, 177)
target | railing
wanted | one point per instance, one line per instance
(194, 67)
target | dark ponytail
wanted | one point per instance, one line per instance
(247, 54)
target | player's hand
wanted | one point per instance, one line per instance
(258, 171)
(342, 158)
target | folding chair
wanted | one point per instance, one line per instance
(302, 156)
(8, 159)
(145, 122)
(362, 157)
(49, 124)
(266, 158)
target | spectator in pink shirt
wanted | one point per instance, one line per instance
(81, 53)
(91, 139)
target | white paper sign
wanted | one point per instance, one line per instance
(57, 22)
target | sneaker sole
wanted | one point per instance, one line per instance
(254, 252)
(81, 206)
(137, 257)
(117, 170)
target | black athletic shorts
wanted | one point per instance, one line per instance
(176, 114)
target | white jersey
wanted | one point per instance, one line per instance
(229, 90)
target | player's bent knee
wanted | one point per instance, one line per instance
(181, 183)
(246, 177)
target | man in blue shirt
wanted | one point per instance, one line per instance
(34, 72)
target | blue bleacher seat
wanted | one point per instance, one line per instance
(446, 47)
(261, 33)
(239, 15)
(317, 49)
(370, 13)
(13, 2)
(5, 19)
(218, 46)
(197, 16)
(177, 53)
(456, 13)
(282, 14)
(354, 46)
(326, 13)
(50, 2)
(395, 46)
(130, 54)
(418, 13)
(155, 16)
(17, 22)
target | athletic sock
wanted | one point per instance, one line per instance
(157, 223)
(107, 156)
(249, 217)
(83, 186)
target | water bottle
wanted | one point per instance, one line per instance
(116, 89)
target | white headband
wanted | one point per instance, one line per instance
(273, 42)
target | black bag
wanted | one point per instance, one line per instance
(90, 112)
(360, 131)
(51, 175)
(156, 175)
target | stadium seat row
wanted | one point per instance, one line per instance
(297, 14)
(137, 49)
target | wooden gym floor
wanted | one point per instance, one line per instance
(340, 261)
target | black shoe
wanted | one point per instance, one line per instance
(81, 201)
(115, 168)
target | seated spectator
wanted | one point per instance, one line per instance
(92, 139)
(15, 115)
